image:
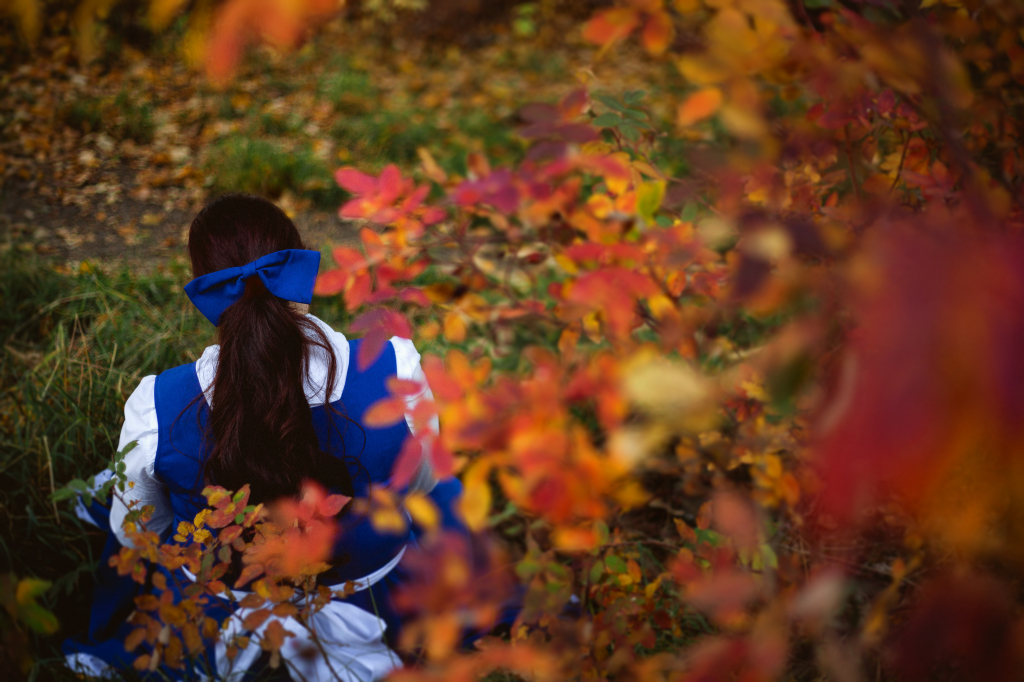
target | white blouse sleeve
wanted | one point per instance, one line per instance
(408, 361)
(140, 424)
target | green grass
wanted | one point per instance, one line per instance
(123, 118)
(72, 348)
(243, 163)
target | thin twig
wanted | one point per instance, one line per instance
(53, 486)
(849, 161)
(903, 158)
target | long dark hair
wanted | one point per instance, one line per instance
(260, 429)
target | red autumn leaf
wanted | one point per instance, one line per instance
(355, 181)
(371, 348)
(391, 184)
(442, 460)
(408, 461)
(937, 372)
(228, 535)
(331, 282)
(384, 413)
(332, 505)
(216, 496)
(415, 200)
(348, 258)
(610, 26)
(736, 518)
(613, 291)
(379, 325)
(414, 295)
(221, 518)
(574, 104)
(359, 291)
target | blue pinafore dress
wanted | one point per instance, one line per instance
(370, 454)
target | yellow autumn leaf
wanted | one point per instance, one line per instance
(476, 499)
(701, 70)
(743, 121)
(454, 327)
(423, 511)
(649, 196)
(161, 12)
(28, 14)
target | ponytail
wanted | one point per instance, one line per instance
(260, 430)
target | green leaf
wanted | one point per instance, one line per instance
(78, 485)
(63, 494)
(629, 132)
(615, 563)
(596, 571)
(608, 120)
(769, 556)
(30, 588)
(127, 448)
(38, 619)
(689, 213)
(663, 221)
(87, 498)
(634, 96)
(610, 102)
(709, 536)
(121, 467)
(636, 115)
(527, 568)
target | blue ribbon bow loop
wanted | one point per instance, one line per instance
(289, 274)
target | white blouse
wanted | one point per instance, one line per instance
(140, 423)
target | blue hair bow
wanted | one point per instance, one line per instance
(289, 274)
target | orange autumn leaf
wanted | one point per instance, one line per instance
(404, 387)
(280, 23)
(385, 412)
(699, 106)
(657, 33)
(610, 26)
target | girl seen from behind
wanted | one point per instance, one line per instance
(279, 401)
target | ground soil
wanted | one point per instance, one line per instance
(142, 236)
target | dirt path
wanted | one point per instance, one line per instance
(139, 235)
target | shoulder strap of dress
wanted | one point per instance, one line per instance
(177, 397)
(364, 387)
(175, 388)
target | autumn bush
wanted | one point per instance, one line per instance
(738, 399)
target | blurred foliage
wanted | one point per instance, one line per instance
(727, 350)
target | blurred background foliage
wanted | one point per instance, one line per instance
(846, 174)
